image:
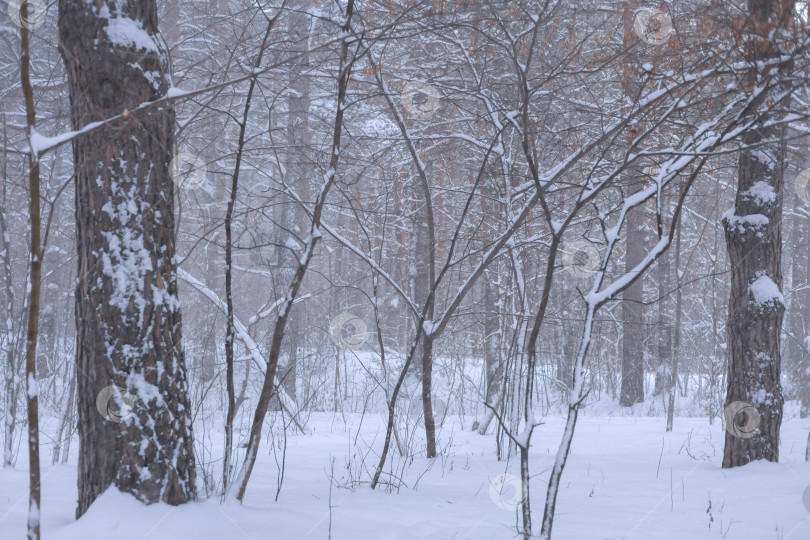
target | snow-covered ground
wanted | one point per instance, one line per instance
(625, 478)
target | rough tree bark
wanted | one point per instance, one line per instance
(632, 388)
(127, 307)
(753, 230)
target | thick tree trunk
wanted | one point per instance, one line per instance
(127, 307)
(753, 230)
(632, 388)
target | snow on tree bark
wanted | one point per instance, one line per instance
(127, 307)
(35, 288)
(632, 388)
(753, 229)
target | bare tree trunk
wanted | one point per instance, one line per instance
(305, 258)
(10, 368)
(297, 177)
(65, 424)
(230, 331)
(753, 230)
(663, 371)
(427, 398)
(797, 314)
(632, 388)
(492, 363)
(422, 274)
(675, 351)
(127, 307)
(35, 279)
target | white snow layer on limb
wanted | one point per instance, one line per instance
(765, 293)
(243, 335)
(761, 192)
(129, 33)
(40, 143)
(526, 428)
(754, 222)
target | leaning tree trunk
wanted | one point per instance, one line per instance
(753, 230)
(127, 307)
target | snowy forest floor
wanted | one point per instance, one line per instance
(625, 479)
